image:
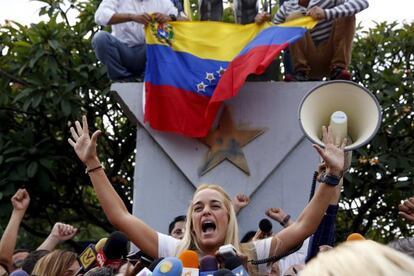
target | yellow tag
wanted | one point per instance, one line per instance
(166, 267)
(87, 257)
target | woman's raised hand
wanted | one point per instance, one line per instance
(333, 154)
(83, 144)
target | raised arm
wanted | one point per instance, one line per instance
(239, 202)
(60, 232)
(311, 216)
(135, 229)
(20, 202)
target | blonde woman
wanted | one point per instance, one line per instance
(58, 262)
(211, 219)
(360, 258)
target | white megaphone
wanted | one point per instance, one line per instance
(352, 111)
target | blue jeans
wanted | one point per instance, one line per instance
(287, 62)
(325, 234)
(121, 60)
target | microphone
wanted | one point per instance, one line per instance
(87, 259)
(170, 266)
(208, 265)
(100, 244)
(235, 265)
(189, 258)
(355, 237)
(223, 272)
(266, 227)
(115, 248)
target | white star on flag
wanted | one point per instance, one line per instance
(210, 76)
(201, 87)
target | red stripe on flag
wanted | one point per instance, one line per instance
(168, 108)
(253, 62)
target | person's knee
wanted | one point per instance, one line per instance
(100, 40)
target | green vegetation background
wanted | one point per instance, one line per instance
(49, 77)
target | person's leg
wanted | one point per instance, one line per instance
(301, 50)
(121, 61)
(341, 38)
(320, 61)
(287, 62)
(134, 59)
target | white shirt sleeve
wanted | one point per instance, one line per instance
(262, 251)
(170, 8)
(167, 245)
(105, 11)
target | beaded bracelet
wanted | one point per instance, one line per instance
(93, 169)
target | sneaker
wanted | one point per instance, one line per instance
(301, 76)
(339, 73)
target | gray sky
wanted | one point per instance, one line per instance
(26, 11)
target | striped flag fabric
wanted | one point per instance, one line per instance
(192, 67)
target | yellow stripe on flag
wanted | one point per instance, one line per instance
(216, 40)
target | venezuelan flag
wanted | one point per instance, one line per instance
(192, 67)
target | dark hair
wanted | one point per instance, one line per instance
(248, 236)
(405, 245)
(172, 223)
(31, 260)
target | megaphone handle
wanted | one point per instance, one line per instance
(313, 187)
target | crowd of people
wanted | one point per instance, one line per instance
(209, 229)
(209, 224)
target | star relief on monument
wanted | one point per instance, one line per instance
(226, 143)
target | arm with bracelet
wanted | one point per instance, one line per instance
(134, 228)
(310, 218)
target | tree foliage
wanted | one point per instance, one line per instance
(382, 174)
(49, 77)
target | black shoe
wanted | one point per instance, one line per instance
(301, 75)
(339, 73)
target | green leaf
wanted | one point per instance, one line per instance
(32, 169)
(66, 107)
(22, 43)
(24, 93)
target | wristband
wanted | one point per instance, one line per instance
(285, 220)
(93, 169)
(331, 180)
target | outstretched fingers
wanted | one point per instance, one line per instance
(95, 136)
(85, 128)
(79, 129)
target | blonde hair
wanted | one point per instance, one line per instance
(55, 263)
(189, 241)
(360, 258)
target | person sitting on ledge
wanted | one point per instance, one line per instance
(324, 51)
(211, 218)
(123, 51)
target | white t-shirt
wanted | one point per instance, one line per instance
(167, 247)
(131, 33)
(295, 258)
